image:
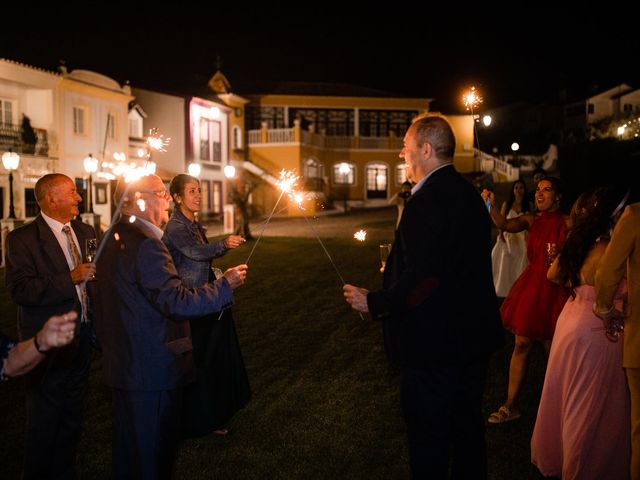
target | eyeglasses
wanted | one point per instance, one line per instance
(157, 193)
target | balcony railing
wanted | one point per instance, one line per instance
(304, 137)
(11, 138)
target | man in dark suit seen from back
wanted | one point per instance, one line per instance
(45, 276)
(438, 307)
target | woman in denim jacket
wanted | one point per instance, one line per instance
(222, 385)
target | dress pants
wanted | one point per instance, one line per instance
(146, 431)
(56, 391)
(442, 406)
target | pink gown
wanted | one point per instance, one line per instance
(582, 428)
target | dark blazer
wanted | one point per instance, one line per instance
(438, 302)
(37, 273)
(142, 308)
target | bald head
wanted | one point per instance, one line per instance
(57, 197)
(145, 198)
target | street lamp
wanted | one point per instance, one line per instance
(194, 169)
(11, 160)
(90, 166)
(230, 171)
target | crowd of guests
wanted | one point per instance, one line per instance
(172, 359)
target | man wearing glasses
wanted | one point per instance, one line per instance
(141, 321)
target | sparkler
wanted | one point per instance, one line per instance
(286, 183)
(471, 100)
(298, 197)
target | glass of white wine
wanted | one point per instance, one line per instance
(385, 249)
(91, 246)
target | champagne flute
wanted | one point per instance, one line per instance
(551, 252)
(91, 246)
(385, 249)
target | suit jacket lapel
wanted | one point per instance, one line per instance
(51, 246)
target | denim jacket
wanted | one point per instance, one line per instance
(191, 257)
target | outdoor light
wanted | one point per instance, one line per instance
(90, 166)
(486, 120)
(11, 160)
(621, 130)
(230, 171)
(515, 147)
(344, 169)
(194, 169)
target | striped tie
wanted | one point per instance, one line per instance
(77, 260)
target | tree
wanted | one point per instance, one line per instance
(239, 193)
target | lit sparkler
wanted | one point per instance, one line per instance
(471, 101)
(157, 141)
(286, 183)
(360, 235)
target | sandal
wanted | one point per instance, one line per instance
(503, 415)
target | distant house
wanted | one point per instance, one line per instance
(609, 103)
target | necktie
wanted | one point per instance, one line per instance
(77, 260)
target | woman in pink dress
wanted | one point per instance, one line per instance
(533, 304)
(582, 428)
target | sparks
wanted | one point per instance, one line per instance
(472, 99)
(287, 181)
(157, 141)
(360, 235)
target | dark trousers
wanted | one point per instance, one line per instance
(442, 409)
(145, 430)
(56, 391)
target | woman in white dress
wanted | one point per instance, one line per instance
(509, 255)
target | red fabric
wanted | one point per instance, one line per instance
(533, 304)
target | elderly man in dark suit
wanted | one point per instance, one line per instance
(142, 326)
(46, 276)
(438, 307)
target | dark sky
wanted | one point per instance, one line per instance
(524, 55)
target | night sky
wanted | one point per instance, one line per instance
(531, 56)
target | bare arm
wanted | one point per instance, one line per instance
(511, 225)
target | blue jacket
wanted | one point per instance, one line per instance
(142, 311)
(191, 257)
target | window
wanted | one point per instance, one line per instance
(313, 173)
(79, 120)
(135, 128)
(377, 175)
(236, 137)
(344, 174)
(111, 126)
(210, 140)
(401, 173)
(6, 112)
(591, 108)
(216, 197)
(379, 123)
(627, 108)
(335, 122)
(31, 206)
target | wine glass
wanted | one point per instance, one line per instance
(551, 252)
(385, 249)
(91, 246)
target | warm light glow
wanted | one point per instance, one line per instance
(157, 141)
(486, 120)
(150, 167)
(515, 146)
(344, 168)
(132, 219)
(141, 153)
(230, 171)
(119, 156)
(360, 235)
(10, 160)
(298, 197)
(90, 164)
(214, 112)
(141, 204)
(621, 130)
(194, 169)
(472, 99)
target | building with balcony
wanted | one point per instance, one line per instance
(344, 145)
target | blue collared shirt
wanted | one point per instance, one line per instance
(418, 185)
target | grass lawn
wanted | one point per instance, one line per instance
(325, 400)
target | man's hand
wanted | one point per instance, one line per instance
(356, 297)
(58, 331)
(83, 272)
(233, 241)
(236, 275)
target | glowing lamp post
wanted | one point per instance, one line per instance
(91, 167)
(230, 171)
(194, 169)
(486, 120)
(11, 160)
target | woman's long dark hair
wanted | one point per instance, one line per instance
(592, 219)
(512, 198)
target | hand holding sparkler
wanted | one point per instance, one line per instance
(236, 275)
(356, 297)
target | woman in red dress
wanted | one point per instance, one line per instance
(533, 304)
